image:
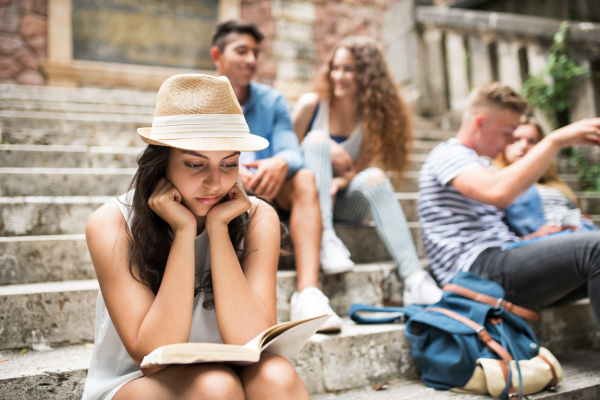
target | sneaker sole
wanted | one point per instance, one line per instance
(337, 270)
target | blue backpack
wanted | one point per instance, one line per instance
(473, 341)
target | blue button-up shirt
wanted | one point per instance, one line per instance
(268, 115)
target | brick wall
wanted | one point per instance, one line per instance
(22, 41)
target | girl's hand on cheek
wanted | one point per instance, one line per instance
(165, 201)
(235, 203)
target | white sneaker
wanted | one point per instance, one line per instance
(311, 302)
(420, 288)
(334, 257)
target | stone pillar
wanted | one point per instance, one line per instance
(480, 60)
(436, 71)
(229, 9)
(405, 55)
(294, 47)
(458, 79)
(60, 41)
(582, 97)
(536, 58)
(509, 67)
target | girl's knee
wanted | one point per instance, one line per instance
(276, 373)
(216, 382)
(376, 176)
(316, 136)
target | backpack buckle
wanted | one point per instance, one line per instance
(499, 302)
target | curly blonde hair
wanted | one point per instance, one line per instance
(387, 126)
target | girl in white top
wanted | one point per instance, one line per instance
(180, 259)
(356, 118)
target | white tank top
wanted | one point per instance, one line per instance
(353, 143)
(111, 366)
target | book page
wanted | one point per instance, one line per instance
(289, 343)
(191, 353)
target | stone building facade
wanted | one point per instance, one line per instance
(22, 41)
(36, 42)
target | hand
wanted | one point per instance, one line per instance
(340, 159)
(165, 201)
(270, 175)
(245, 176)
(544, 230)
(236, 202)
(337, 184)
(586, 131)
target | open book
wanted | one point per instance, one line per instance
(286, 339)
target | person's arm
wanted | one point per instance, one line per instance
(245, 298)
(502, 188)
(303, 113)
(284, 142)
(145, 321)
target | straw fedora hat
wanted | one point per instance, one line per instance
(200, 112)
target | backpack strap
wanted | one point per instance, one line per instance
(492, 301)
(484, 336)
(508, 378)
(554, 381)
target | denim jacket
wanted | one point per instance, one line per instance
(268, 115)
(526, 215)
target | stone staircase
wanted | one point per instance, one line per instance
(65, 152)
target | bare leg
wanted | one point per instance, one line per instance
(183, 382)
(299, 194)
(272, 378)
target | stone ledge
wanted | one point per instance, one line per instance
(506, 23)
(80, 72)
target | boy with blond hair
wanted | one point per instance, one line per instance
(462, 199)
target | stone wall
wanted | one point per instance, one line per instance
(300, 35)
(22, 41)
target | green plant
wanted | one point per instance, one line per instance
(549, 91)
(588, 175)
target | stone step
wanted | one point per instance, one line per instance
(57, 313)
(51, 94)
(369, 354)
(20, 127)
(64, 156)
(59, 215)
(60, 313)
(334, 367)
(32, 259)
(65, 181)
(424, 146)
(581, 381)
(62, 106)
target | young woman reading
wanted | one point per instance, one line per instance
(185, 255)
(354, 119)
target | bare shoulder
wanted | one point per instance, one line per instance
(303, 112)
(307, 103)
(108, 218)
(107, 237)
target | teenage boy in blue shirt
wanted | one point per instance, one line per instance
(276, 173)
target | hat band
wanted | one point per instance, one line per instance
(199, 125)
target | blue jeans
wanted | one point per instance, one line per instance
(545, 272)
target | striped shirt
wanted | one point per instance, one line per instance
(556, 204)
(456, 229)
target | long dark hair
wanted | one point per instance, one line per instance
(150, 235)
